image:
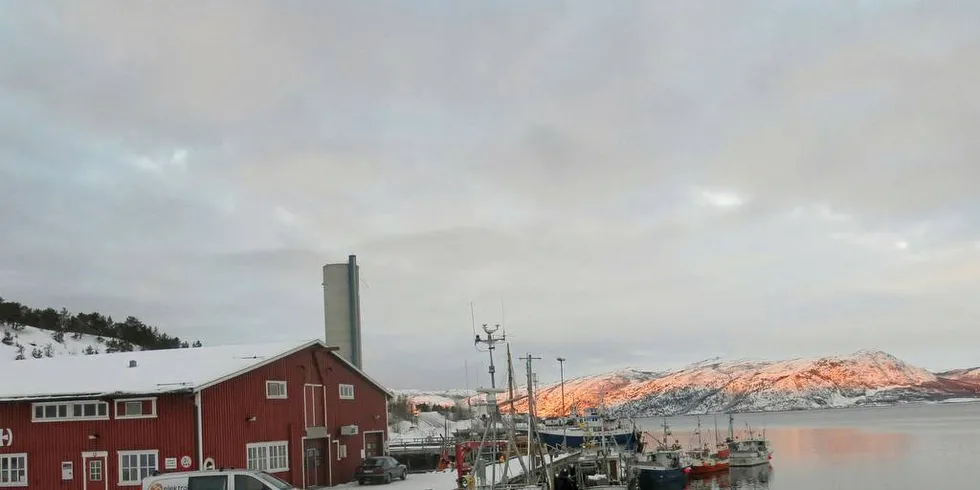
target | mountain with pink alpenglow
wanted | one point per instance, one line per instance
(864, 378)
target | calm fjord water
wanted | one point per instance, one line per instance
(903, 447)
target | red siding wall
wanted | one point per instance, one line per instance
(368, 410)
(228, 406)
(48, 444)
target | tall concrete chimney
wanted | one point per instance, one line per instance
(342, 308)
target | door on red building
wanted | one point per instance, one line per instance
(314, 402)
(374, 444)
(94, 470)
(315, 461)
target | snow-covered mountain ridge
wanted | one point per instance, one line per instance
(866, 377)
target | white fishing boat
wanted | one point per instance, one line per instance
(602, 465)
(749, 451)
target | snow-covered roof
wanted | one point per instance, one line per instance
(156, 371)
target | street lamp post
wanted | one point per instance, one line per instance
(564, 425)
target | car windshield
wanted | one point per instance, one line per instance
(373, 462)
(274, 481)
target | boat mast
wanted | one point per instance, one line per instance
(533, 440)
(700, 442)
(510, 380)
(494, 414)
(716, 430)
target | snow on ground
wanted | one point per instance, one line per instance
(514, 469)
(43, 341)
(960, 400)
(436, 480)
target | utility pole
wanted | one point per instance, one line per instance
(564, 425)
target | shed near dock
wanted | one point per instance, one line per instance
(106, 421)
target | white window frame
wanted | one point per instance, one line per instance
(259, 456)
(93, 464)
(346, 391)
(11, 457)
(124, 401)
(270, 383)
(69, 410)
(139, 468)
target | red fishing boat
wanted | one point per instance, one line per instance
(703, 460)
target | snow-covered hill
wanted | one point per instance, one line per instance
(426, 425)
(29, 342)
(436, 398)
(968, 375)
(866, 377)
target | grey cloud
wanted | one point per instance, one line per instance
(550, 156)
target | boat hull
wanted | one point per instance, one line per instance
(737, 460)
(625, 438)
(653, 477)
(708, 467)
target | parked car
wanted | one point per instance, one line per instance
(236, 479)
(380, 468)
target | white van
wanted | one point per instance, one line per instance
(223, 479)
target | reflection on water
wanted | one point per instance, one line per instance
(863, 449)
(742, 478)
(798, 445)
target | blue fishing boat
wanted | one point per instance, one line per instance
(666, 466)
(592, 424)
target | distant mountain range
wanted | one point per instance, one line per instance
(865, 378)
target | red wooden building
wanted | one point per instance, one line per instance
(103, 422)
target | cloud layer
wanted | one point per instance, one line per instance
(639, 183)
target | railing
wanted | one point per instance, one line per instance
(418, 441)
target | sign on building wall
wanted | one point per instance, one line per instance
(6, 437)
(170, 464)
(67, 472)
(186, 462)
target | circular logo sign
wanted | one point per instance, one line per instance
(156, 486)
(186, 462)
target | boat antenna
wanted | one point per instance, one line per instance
(490, 342)
(472, 319)
(503, 324)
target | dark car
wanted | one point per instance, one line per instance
(380, 468)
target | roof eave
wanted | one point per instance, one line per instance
(360, 372)
(252, 367)
(91, 396)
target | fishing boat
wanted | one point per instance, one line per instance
(602, 465)
(750, 451)
(573, 431)
(663, 466)
(704, 461)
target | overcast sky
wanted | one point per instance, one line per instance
(640, 184)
